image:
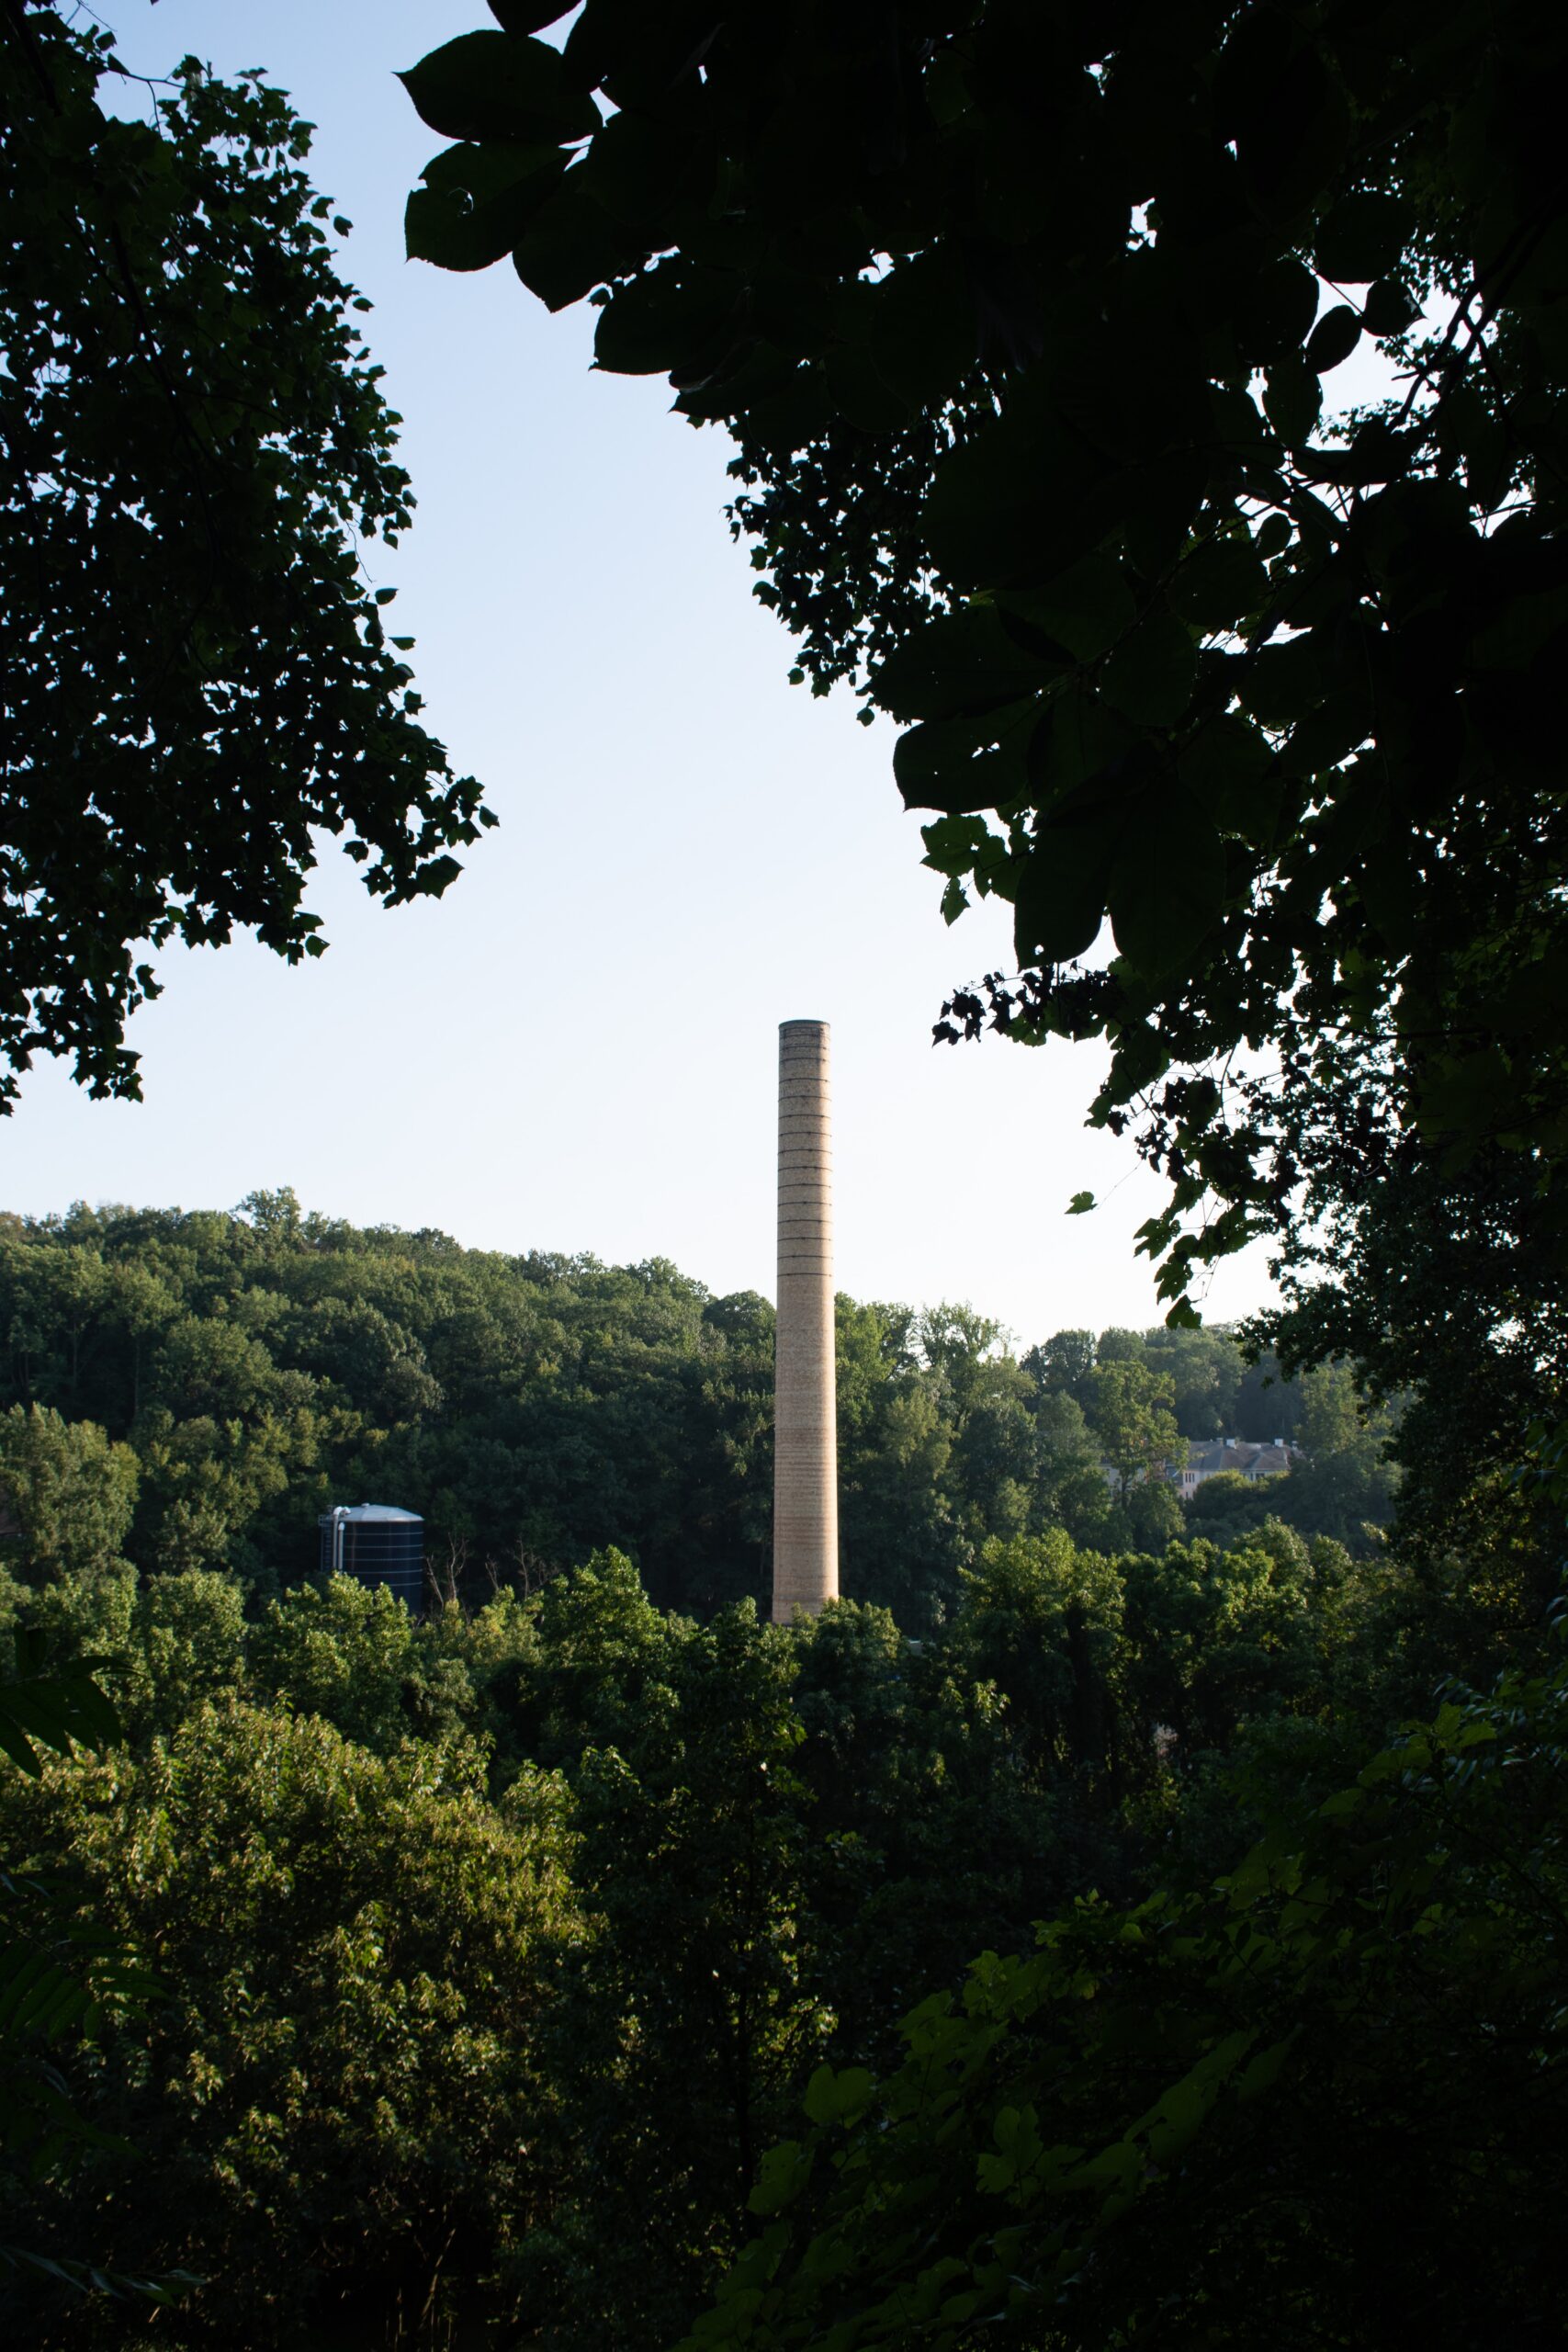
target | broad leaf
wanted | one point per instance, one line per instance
(570, 245)
(1293, 398)
(1362, 237)
(1059, 891)
(1167, 888)
(1334, 338)
(490, 85)
(1149, 677)
(1086, 608)
(1230, 769)
(961, 662)
(476, 202)
(959, 764)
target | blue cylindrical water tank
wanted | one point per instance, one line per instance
(376, 1545)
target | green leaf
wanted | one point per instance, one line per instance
(647, 170)
(1472, 1095)
(920, 325)
(475, 203)
(489, 85)
(1237, 423)
(782, 2175)
(1389, 307)
(1259, 51)
(1020, 499)
(1329, 732)
(14, 1743)
(1376, 454)
(962, 662)
(1149, 677)
(1080, 1203)
(1291, 148)
(570, 245)
(1231, 772)
(1081, 739)
(861, 394)
(1182, 2112)
(1059, 889)
(955, 845)
(1221, 584)
(56, 1710)
(1166, 887)
(1334, 338)
(663, 319)
(959, 764)
(527, 16)
(1086, 607)
(1293, 398)
(1279, 682)
(1277, 308)
(836, 2098)
(1263, 2072)
(1362, 237)
(1522, 627)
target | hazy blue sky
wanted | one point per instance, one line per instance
(576, 1048)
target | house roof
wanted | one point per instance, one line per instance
(1251, 1459)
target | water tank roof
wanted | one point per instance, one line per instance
(361, 1512)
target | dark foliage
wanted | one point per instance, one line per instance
(196, 671)
(493, 1954)
(1026, 318)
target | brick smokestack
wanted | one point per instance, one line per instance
(805, 1442)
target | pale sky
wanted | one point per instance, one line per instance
(576, 1048)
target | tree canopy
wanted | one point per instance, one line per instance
(1274, 2111)
(495, 1953)
(492, 1953)
(1026, 317)
(197, 676)
(186, 1389)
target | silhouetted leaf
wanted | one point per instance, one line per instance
(1059, 891)
(476, 202)
(527, 16)
(490, 85)
(1334, 338)
(1293, 398)
(1229, 768)
(1166, 888)
(961, 662)
(570, 245)
(1086, 608)
(1362, 237)
(956, 764)
(1149, 676)
(1389, 307)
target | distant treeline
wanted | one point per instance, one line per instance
(221, 1379)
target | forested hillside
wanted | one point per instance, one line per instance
(207, 1385)
(493, 1953)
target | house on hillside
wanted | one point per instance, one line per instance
(1250, 1461)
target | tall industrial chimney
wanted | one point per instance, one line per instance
(805, 1445)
